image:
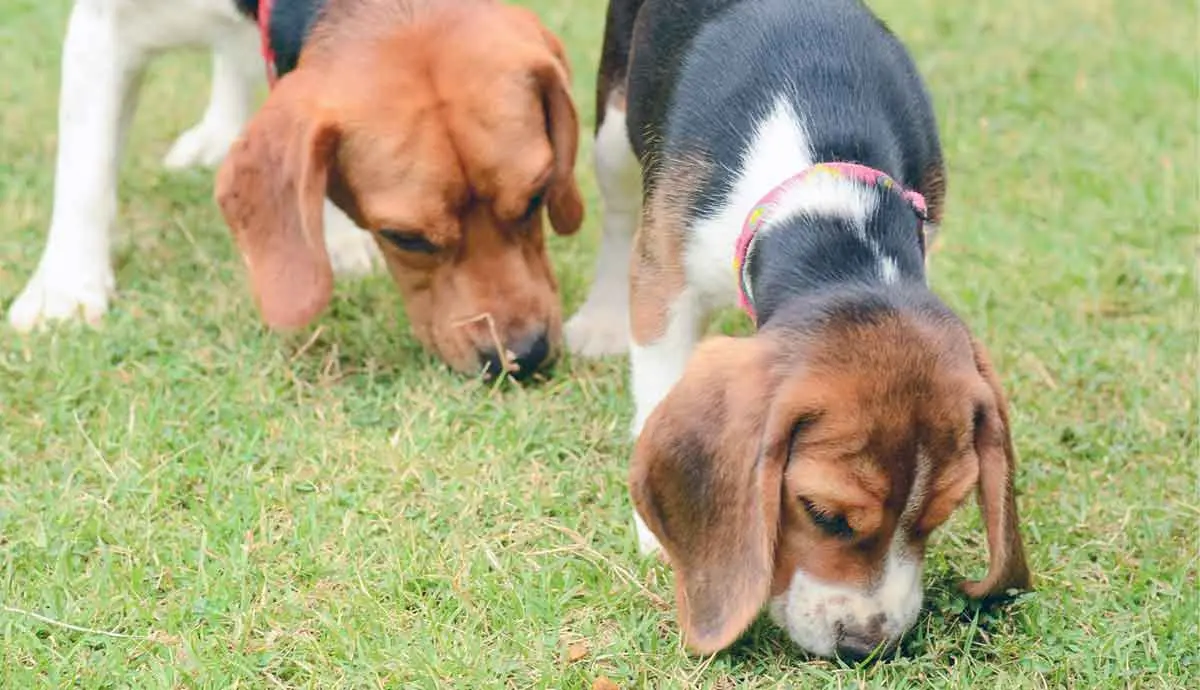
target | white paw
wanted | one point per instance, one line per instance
(647, 543)
(203, 145)
(353, 253)
(62, 294)
(596, 331)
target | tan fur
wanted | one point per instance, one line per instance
(441, 119)
(657, 271)
(933, 187)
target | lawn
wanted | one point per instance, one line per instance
(188, 500)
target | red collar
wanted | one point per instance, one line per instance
(264, 34)
(762, 211)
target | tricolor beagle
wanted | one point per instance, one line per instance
(442, 128)
(788, 157)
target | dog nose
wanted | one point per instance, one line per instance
(524, 360)
(856, 642)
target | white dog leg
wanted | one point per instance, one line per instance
(100, 74)
(352, 251)
(601, 326)
(237, 73)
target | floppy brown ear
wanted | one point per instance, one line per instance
(563, 200)
(271, 190)
(997, 465)
(707, 480)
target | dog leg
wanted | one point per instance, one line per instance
(655, 367)
(601, 326)
(237, 72)
(100, 76)
(352, 250)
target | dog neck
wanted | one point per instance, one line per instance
(825, 234)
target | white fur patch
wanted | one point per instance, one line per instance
(656, 368)
(889, 272)
(814, 612)
(779, 149)
(827, 195)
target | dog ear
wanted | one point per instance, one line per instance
(997, 465)
(707, 477)
(271, 189)
(563, 200)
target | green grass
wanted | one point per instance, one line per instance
(245, 511)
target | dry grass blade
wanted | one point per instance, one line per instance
(506, 357)
(77, 628)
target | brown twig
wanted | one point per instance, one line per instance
(304, 348)
(506, 363)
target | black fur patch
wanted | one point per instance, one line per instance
(248, 7)
(290, 23)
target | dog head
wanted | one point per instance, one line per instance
(445, 135)
(806, 466)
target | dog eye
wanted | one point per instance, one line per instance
(409, 241)
(535, 204)
(833, 525)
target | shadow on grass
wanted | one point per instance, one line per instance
(955, 627)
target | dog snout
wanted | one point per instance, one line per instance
(858, 640)
(523, 359)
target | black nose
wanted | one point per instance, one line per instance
(856, 642)
(524, 360)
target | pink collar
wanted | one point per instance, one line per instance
(264, 34)
(761, 213)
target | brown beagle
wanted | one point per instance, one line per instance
(443, 128)
(786, 152)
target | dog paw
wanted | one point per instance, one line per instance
(62, 295)
(647, 543)
(203, 145)
(353, 252)
(598, 331)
